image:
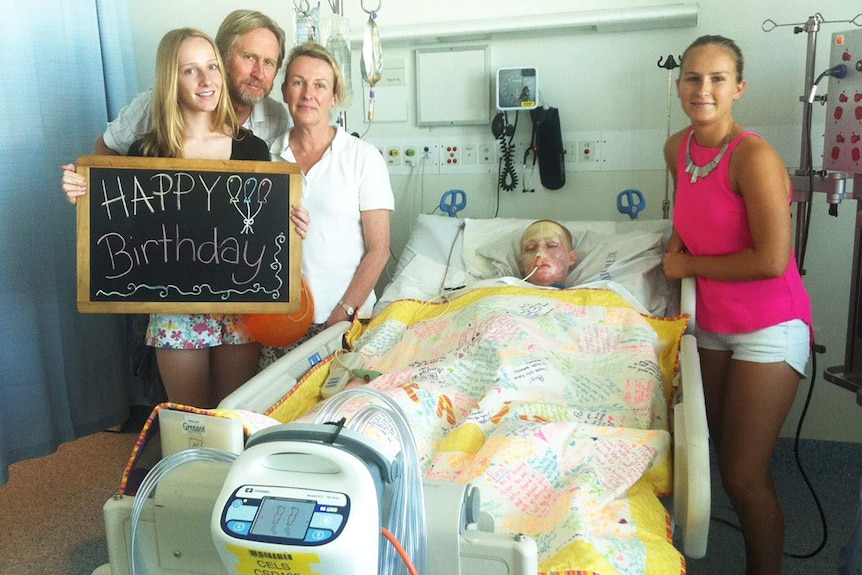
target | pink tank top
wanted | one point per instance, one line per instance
(711, 220)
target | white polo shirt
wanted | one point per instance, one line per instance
(350, 178)
(268, 120)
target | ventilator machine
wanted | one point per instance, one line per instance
(335, 496)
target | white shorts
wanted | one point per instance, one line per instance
(789, 341)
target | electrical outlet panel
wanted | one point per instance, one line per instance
(442, 155)
(406, 156)
(451, 154)
(411, 156)
(392, 155)
(583, 151)
(428, 156)
(487, 153)
(469, 154)
(466, 156)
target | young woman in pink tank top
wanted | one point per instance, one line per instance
(732, 232)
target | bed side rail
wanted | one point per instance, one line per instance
(267, 387)
(692, 490)
(686, 301)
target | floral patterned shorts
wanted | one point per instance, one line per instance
(199, 331)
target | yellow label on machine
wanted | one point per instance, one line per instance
(261, 562)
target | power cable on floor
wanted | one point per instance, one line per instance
(815, 349)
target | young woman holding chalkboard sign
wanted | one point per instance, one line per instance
(201, 357)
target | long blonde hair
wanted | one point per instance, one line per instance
(167, 138)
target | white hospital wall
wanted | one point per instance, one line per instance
(607, 84)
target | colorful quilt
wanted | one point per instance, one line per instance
(554, 403)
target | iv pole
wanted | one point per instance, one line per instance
(670, 65)
(805, 182)
(338, 9)
(805, 179)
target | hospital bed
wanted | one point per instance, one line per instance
(574, 416)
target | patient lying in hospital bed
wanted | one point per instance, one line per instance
(554, 402)
(561, 405)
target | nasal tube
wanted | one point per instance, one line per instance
(535, 268)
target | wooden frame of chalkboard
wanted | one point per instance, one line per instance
(165, 235)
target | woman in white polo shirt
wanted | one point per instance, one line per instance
(346, 191)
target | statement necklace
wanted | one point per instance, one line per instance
(701, 171)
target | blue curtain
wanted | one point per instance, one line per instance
(68, 68)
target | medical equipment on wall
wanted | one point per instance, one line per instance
(546, 146)
(306, 22)
(631, 203)
(452, 202)
(517, 88)
(371, 60)
(507, 178)
(670, 64)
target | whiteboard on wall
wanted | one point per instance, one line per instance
(453, 86)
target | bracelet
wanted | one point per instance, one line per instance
(351, 313)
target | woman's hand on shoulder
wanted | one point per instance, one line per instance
(300, 218)
(74, 184)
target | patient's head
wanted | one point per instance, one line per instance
(547, 254)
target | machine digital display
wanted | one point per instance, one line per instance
(283, 518)
(285, 515)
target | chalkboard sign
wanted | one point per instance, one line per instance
(159, 235)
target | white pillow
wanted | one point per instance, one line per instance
(632, 259)
(422, 279)
(434, 237)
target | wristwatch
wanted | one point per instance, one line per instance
(347, 309)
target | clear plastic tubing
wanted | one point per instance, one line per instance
(407, 513)
(152, 479)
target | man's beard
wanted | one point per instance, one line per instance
(239, 94)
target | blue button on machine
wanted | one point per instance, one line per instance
(330, 521)
(239, 527)
(318, 535)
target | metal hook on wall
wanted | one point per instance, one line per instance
(371, 12)
(670, 63)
